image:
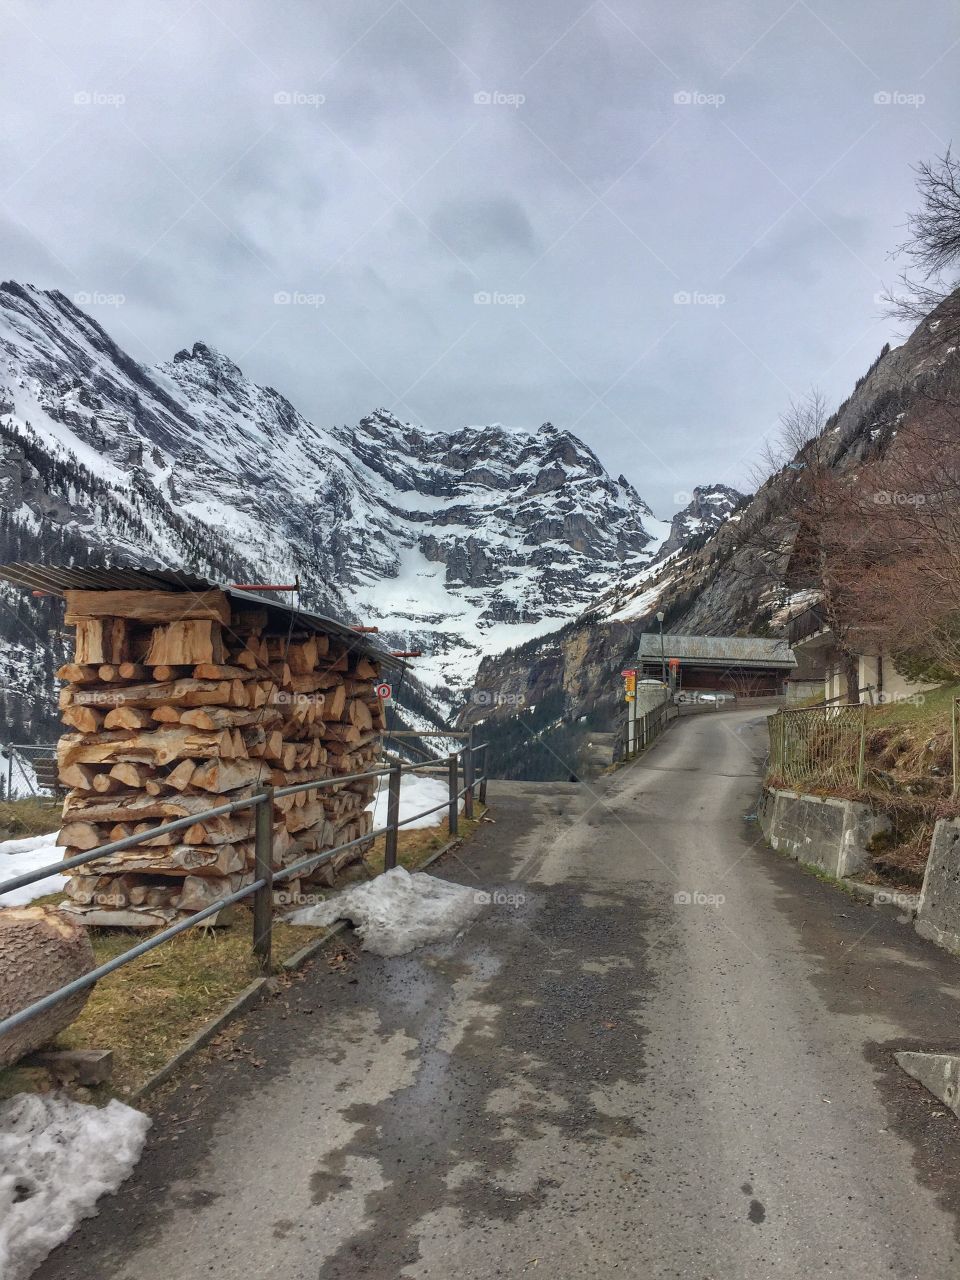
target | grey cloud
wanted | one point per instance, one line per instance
(399, 195)
(476, 227)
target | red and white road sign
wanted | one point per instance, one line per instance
(384, 692)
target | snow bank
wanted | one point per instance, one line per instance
(19, 856)
(416, 794)
(397, 911)
(57, 1157)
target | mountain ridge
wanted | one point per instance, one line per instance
(458, 542)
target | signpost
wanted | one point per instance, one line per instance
(630, 696)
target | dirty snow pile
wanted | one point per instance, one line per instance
(57, 1157)
(416, 794)
(17, 857)
(397, 912)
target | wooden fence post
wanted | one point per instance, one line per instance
(393, 817)
(468, 774)
(453, 817)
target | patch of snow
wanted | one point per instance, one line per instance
(17, 857)
(659, 531)
(17, 772)
(57, 1158)
(416, 794)
(397, 912)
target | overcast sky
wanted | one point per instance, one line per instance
(386, 166)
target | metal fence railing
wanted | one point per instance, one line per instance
(470, 762)
(641, 730)
(818, 746)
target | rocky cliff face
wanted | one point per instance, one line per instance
(723, 585)
(709, 507)
(459, 543)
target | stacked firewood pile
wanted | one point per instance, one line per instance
(179, 701)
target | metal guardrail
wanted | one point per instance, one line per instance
(261, 888)
(818, 745)
(640, 731)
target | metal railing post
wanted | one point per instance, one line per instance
(393, 817)
(263, 870)
(453, 817)
(483, 779)
(468, 779)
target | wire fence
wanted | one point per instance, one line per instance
(468, 764)
(818, 746)
(29, 769)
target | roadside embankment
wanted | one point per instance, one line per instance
(839, 838)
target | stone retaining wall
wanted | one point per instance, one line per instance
(822, 831)
(833, 834)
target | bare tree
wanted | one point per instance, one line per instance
(808, 536)
(908, 507)
(933, 245)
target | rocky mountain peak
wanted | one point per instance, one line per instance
(460, 542)
(710, 506)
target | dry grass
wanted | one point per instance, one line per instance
(909, 746)
(908, 761)
(148, 1009)
(33, 816)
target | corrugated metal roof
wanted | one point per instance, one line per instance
(56, 579)
(743, 651)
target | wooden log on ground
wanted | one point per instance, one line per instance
(77, 673)
(166, 714)
(227, 717)
(162, 808)
(132, 775)
(221, 671)
(40, 950)
(184, 643)
(84, 719)
(225, 775)
(176, 860)
(78, 776)
(81, 836)
(303, 656)
(184, 693)
(124, 718)
(359, 714)
(163, 746)
(163, 671)
(148, 606)
(89, 646)
(335, 703)
(133, 671)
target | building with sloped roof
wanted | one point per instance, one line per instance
(750, 666)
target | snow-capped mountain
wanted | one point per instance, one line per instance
(459, 543)
(709, 507)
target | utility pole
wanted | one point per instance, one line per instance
(663, 660)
